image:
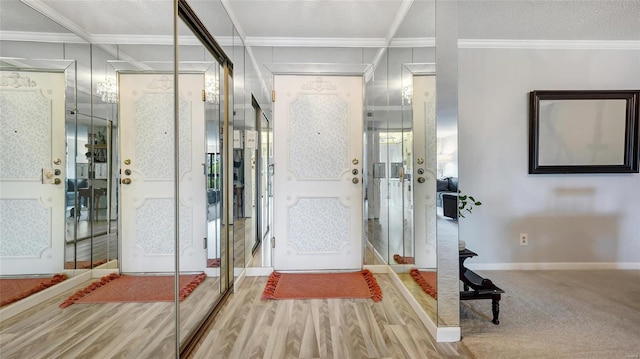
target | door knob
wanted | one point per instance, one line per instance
(420, 179)
(57, 181)
(355, 180)
(127, 172)
(355, 171)
(127, 161)
(126, 181)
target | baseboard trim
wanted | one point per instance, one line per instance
(99, 273)
(37, 298)
(376, 254)
(448, 334)
(240, 278)
(259, 271)
(377, 268)
(554, 266)
(212, 271)
(441, 334)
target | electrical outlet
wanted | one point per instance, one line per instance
(524, 240)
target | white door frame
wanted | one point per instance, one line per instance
(318, 194)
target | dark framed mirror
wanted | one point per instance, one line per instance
(606, 143)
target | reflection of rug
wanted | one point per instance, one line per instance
(322, 285)
(129, 288)
(83, 264)
(213, 262)
(403, 260)
(14, 289)
(427, 280)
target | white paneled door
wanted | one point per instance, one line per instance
(147, 172)
(32, 172)
(424, 124)
(318, 193)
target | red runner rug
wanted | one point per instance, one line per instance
(213, 262)
(322, 285)
(403, 260)
(427, 281)
(14, 289)
(130, 288)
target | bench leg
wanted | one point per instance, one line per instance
(495, 308)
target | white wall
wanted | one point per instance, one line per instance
(574, 218)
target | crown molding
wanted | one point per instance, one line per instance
(314, 42)
(403, 10)
(550, 44)
(62, 20)
(413, 42)
(316, 68)
(54, 37)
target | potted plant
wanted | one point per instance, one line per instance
(466, 203)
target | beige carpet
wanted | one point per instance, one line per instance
(557, 314)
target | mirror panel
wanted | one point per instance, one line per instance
(53, 72)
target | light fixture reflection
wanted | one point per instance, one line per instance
(212, 90)
(407, 93)
(108, 90)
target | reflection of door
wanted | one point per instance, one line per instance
(32, 172)
(264, 177)
(147, 148)
(424, 122)
(318, 199)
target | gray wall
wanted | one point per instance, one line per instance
(574, 218)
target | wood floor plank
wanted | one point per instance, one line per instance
(318, 328)
(246, 328)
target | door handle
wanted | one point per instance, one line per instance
(126, 181)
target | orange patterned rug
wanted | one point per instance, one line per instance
(130, 288)
(427, 281)
(14, 289)
(403, 260)
(322, 285)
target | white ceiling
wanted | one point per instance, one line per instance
(346, 21)
(343, 31)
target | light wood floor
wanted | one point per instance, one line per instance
(101, 331)
(248, 327)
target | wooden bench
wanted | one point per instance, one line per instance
(477, 287)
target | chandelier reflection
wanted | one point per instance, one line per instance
(108, 90)
(407, 93)
(212, 90)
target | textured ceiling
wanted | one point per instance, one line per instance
(550, 20)
(350, 19)
(347, 19)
